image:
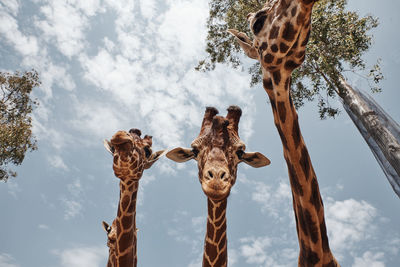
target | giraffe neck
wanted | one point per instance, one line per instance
(307, 202)
(126, 225)
(215, 244)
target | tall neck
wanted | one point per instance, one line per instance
(126, 224)
(215, 244)
(307, 202)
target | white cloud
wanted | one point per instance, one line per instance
(7, 260)
(82, 256)
(262, 251)
(370, 259)
(254, 249)
(43, 227)
(65, 23)
(275, 200)
(148, 8)
(57, 162)
(349, 222)
(9, 31)
(72, 208)
(98, 121)
(11, 6)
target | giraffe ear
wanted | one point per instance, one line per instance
(106, 227)
(245, 43)
(180, 154)
(154, 157)
(255, 159)
(109, 147)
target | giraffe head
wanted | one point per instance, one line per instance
(132, 154)
(218, 150)
(111, 231)
(281, 30)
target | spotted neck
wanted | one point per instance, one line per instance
(307, 202)
(126, 225)
(215, 244)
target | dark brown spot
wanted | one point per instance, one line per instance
(312, 228)
(288, 32)
(305, 162)
(222, 259)
(125, 260)
(283, 48)
(287, 87)
(290, 65)
(307, 256)
(324, 237)
(268, 58)
(282, 111)
(125, 201)
(296, 132)
(279, 61)
(267, 83)
(300, 18)
(277, 77)
(273, 105)
(206, 263)
(264, 46)
(315, 195)
(220, 232)
(125, 241)
(211, 251)
(222, 242)
(220, 209)
(294, 11)
(294, 180)
(283, 138)
(305, 41)
(127, 221)
(210, 230)
(274, 48)
(273, 34)
(259, 23)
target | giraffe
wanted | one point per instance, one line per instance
(281, 31)
(132, 155)
(218, 150)
(111, 240)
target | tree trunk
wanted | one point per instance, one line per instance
(379, 130)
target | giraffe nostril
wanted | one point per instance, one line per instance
(222, 175)
(210, 174)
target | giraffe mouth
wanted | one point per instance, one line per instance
(216, 190)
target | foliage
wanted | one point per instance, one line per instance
(16, 107)
(338, 40)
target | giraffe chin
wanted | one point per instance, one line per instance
(216, 195)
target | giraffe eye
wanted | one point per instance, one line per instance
(195, 152)
(147, 151)
(240, 153)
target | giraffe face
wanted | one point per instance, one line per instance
(132, 154)
(281, 30)
(218, 150)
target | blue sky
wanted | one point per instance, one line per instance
(110, 65)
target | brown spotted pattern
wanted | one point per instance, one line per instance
(131, 154)
(280, 38)
(218, 150)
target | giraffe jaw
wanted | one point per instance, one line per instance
(216, 191)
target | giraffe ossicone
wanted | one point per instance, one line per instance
(218, 151)
(131, 156)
